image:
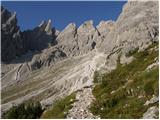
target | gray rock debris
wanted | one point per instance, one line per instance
(80, 107)
(154, 99)
(151, 113)
(155, 64)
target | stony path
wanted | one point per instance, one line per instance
(80, 107)
(84, 96)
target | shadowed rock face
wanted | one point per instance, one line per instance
(40, 37)
(15, 43)
(11, 42)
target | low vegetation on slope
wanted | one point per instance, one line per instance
(123, 92)
(33, 110)
(26, 110)
(60, 108)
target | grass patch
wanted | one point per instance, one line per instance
(123, 92)
(60, 108)
(150, 80)
(97, 77)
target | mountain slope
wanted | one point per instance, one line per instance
(123, 93)
(108, 59)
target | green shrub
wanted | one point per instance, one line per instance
(27, 110)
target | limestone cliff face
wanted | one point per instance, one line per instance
(86, 37)
(104, 27)
(78, 41)
(68, 41)
(137, 26)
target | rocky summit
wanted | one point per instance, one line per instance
(104, 71)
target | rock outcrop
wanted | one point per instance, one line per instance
(46, 58)
(68, 41)
(79, 41)
(87, 37)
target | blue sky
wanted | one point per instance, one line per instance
(31, 13)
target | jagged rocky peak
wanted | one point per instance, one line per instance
(70, 27)
(86, 31)
(40, 37)
(67, 40)
(87, 35)
(104, 27)
(5, 14)
(42, 24)
(86, 27)
(12, 42)
(78, 41)
(8, 19)
(68, 33)
(12, 20)
(48, 28)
